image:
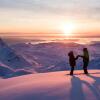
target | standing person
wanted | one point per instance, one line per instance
(85, 57)
(72, 61)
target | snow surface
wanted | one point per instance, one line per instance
(52, 86)
(9, 58)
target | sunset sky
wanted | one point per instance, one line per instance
(50, 18)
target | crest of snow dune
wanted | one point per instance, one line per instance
(52, 86)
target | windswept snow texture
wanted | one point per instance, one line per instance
(6, 72)
(9, 58)
(52, 86)
(12, 64)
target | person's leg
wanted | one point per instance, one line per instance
(72, 69)
(85, 68)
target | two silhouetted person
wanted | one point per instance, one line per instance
(72, 60)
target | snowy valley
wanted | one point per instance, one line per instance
(26, 58)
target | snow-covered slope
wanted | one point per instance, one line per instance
(10, 58)
(12, 64)
(52, 86)
(6, 72)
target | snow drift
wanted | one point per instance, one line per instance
(52, 86)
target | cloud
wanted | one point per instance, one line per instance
(65, 40)
(52, 6)
(14, 40)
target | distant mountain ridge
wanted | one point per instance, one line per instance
(25, 58)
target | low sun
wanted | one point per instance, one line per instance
(68, 28)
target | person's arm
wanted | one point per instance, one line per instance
(76, 57)
(80, 56)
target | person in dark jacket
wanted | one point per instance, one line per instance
(85, 57)
(72, 61)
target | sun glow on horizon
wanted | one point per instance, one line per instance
(68, 28)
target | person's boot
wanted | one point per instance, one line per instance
(71, 73)
(85, 71)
